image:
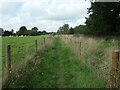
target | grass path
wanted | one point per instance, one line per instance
(58, 67)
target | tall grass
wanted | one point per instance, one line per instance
(22, 49)
(21, 77)
(96, 52)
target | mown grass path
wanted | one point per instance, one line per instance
(58, 68)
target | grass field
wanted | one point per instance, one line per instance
(62, 63)
(21, 47)
(57, 67)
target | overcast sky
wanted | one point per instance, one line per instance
(44, 14)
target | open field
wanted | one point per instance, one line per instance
(56, 67)
(21, 48)
(65, 61)
(60, 44)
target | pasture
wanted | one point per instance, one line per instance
(65, 61)
(21, 47)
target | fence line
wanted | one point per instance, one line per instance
(8, 54)
(114, 78)
(109, 70)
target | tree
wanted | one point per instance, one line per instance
(7, 33)
(64, 29)
(44, 32)
(59, 30)
(22, 31)
(12, 31)
(104, 18)
(32, 32)
(71, 31)
(81, 29)
(34, 29)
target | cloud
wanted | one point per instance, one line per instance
(45, 14)
(67, 10)
(77, 22)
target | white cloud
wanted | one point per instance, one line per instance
(67, 10)
(81, 21)
(45, 14)
(78, 22)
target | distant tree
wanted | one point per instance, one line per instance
(44, 32)
(7, 33)
(71, 31)
(39, 32)
(53, 33)
(29, 32)
(34, 29)
(81, 29)
(12, 31)
(60, 30)
(22, 31)
(32, 32)
(64, 29)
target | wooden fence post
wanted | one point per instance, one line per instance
(8, 59)
(80, 48)
(44, 41)
(36, 45)
(113, 74)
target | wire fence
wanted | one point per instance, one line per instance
(37, 44)
(99, 54)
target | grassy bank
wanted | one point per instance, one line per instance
(56, 67)
(96, 52)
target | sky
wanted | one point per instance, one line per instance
(47, 15)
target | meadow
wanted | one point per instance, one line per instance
(65, 61)
(21, 48)
(56, 67)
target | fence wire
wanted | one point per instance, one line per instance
(97, 53)
(21, 51)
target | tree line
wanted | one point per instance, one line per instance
(103, 20)
(66, 29)
(24, 32)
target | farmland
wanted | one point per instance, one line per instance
(20, 48)
(62, 62)
(60, 44)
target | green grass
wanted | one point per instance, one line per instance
(20, 48)
(94, 51)
(56, 67)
